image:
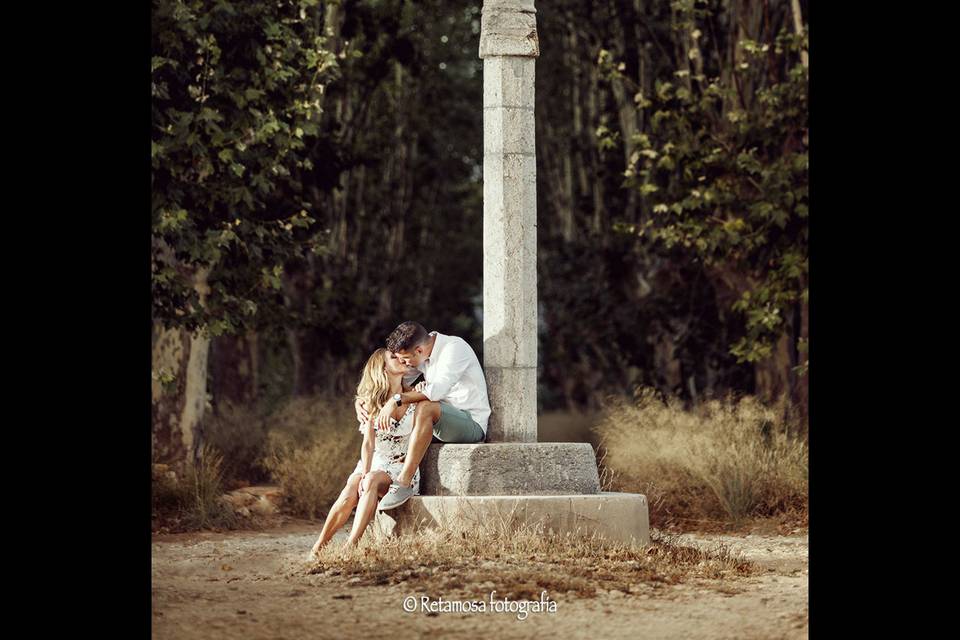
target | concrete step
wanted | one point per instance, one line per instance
(509, 468)
(614, 516)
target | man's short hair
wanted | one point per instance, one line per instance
(406, 336)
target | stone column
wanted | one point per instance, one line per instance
(509, 47)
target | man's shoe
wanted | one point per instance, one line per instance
(395, 497)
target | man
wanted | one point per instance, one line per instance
(453, 404)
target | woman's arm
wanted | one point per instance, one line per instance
(366, 455)
(366, 450)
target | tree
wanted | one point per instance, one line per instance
(722, 169)
(237, 90)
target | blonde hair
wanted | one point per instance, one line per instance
(374, 387)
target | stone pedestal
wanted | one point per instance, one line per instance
(509, 469)
(555, 484)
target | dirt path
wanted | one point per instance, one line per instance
(254, 585)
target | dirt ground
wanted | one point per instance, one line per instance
(255, 585)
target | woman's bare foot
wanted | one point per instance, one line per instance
(314, 553)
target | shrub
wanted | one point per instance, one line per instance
(313, 445)
(734, 457)
(238, 432)
(194, 501)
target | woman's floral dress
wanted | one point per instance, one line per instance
(390, 450)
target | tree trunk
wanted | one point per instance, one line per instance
(178, 409)
(803, 380)
(772, 374)
(234, 375)
(666, 362)
(625, 37)
(798, 28)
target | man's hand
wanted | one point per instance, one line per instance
(362, 414)
(420, 386)
(383, 418)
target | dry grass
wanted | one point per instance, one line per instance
(239, 433)
(521, 561)
(312, 446)
(729, 459)
(193, 501)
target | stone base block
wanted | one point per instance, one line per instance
(614, 516)
(509, 468)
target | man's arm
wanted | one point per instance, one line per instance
(410, 396)
(411, 381)
(362, 415)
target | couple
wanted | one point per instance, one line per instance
(399, 418)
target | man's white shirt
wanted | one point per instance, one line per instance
(453, 375)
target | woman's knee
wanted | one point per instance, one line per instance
(353, 484)
(349, 493)
(374, 480)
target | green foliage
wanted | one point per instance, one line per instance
(237, 88)
(722, 168)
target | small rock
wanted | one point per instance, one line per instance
(264, 507)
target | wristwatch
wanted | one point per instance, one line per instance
(396, 397)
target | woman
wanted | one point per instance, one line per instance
(382, 453)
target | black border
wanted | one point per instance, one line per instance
(98, 101)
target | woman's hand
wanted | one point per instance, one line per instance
(360, 485)
(420, 386)
(383, 419)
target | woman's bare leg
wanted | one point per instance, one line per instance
(339, 512)
(376, 485)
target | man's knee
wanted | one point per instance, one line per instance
(427, 409)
